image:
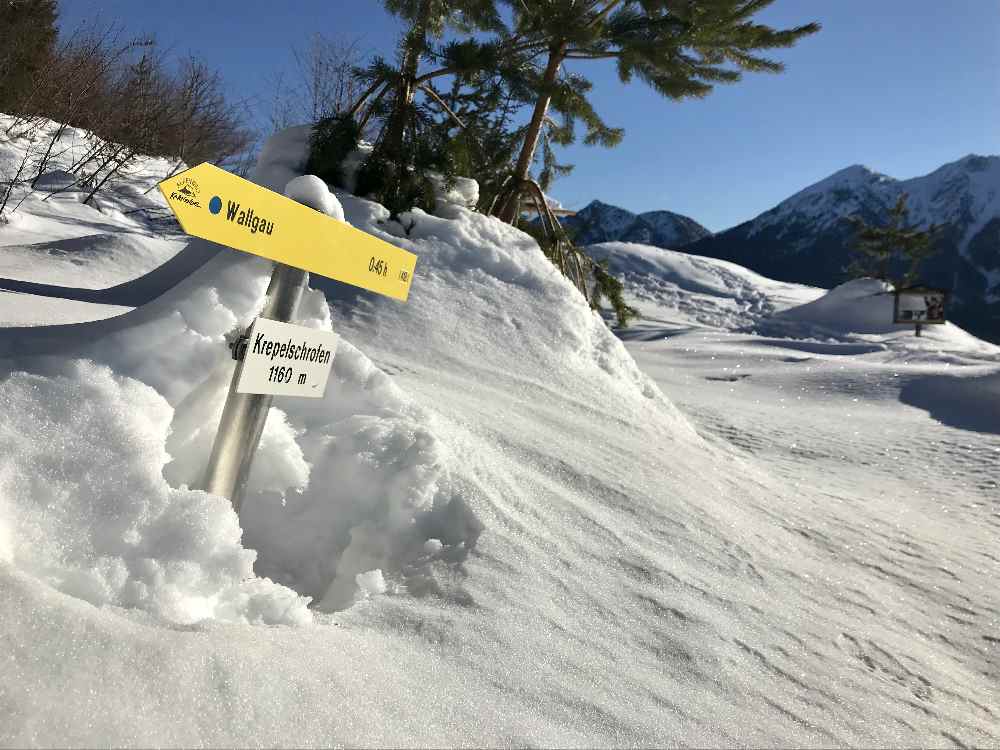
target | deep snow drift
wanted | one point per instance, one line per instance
(678, 289)
(509, 534)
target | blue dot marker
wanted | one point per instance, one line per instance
(215, 205)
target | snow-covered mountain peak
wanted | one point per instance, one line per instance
(602, 222)
(854, 190)
(852, 175)
(963, 191)
(672, 229)
(972, 168)
(597, 205)
(612, 218)
(854, 178)
(978, 162)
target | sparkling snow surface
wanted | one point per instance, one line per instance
(511, 533)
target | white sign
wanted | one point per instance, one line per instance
(286, 360)
(919, 307)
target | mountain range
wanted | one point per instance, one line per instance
(807, 239)
(602, 222)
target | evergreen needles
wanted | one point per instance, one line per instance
(445, 108)
(884, 250)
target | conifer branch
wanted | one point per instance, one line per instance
(604, 13)
(428, 89)
(580, 54)
(361, 99)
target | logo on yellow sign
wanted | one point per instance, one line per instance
(186, 191)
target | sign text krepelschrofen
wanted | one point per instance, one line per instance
(221, 207)
(286, 360)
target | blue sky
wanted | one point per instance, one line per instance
(902, 86)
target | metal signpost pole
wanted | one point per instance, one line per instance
(244, 414)
(300, 238)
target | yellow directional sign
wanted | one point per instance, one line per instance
(218, 206)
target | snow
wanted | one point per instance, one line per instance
(514, 528)
(88, 512)
(679, 289)
(370, 584)
(965, 193)
(858, 306)
(54, 238)
(462, 192)
(862, 311)
(22, 309)
(313, 192)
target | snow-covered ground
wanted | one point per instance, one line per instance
(673, 290)
(53, 238)
(742, 526)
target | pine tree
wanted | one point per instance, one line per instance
(477, 124)
(681, 48)
(27, 37)
(408, 147)
(880, 247)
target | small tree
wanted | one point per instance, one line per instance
(201, 124)
(128, 101)
(428, 19)
(322, 85)
(408, 146)
(477, 125)
(880, 247)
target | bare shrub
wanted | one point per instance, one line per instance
(126, 98)
(321, 85)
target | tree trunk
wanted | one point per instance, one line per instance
(413, 47)
(508, 210)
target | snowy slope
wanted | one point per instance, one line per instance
(53, 238)
(674, 289)
(510, 534)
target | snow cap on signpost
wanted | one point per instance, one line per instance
(310, 190)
